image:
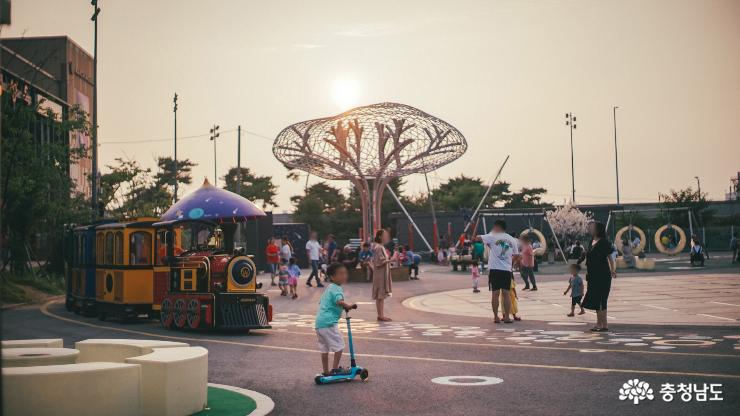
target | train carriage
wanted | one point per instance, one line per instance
(80, 270)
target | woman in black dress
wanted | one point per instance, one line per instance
(600, 270)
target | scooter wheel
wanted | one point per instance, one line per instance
(364, 374)
(317, 379)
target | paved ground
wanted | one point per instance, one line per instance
(547, 367)
(696, 299)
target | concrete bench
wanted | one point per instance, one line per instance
(89, 389)
(645, 264)
(117, 350)
(34, 343)
(28, 357)
(174, 380)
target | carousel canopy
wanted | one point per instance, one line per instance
(209, 203)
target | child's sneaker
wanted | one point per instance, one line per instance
(295, 296)
(476, 291)
(571, 314)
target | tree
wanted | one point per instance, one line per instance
(129, 190)
(326, 210)
(38, 195)
(253, 187)
(568, 222)
(686, 198)
(167, 174)
(527, 198)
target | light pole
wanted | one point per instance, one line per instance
(698, 185)
(94, 190)
(177, 171)
(616, 152)
(214, 136)
(570, 121)
(239, 159)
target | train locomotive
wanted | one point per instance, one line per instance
(183, 267)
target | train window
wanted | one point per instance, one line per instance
(109, 248)
(140, 249)
(119, 248)
(99, 245)
(161, 247)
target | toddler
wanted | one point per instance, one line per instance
(475, 272)
(330, 310)
(575, 285)
(294, 272)
(283, 277)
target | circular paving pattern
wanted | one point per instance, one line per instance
(467, 380)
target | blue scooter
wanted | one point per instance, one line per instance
(353, 371)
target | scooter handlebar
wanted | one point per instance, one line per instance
(354, 306)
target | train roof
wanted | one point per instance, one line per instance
(129, 223)
(94, 224)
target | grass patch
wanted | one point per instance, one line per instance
(223, 402)
(11, 292)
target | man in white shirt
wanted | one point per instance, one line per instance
(313, 249)
(503, 249)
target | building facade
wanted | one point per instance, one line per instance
(57, 74)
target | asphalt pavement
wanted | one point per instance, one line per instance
(529, 367)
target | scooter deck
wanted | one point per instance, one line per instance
(335, 378)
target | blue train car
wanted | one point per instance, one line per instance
(80, 270)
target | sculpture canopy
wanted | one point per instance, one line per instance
(370, 146)
(212, 204)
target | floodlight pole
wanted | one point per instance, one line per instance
(616, 153)
(570, 120)
(94, 190)
(239, 159)
(214, 136)
(177, 170)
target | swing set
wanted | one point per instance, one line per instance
(670, 244)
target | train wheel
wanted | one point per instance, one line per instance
(180, 315)
(165, 315)
(194, 313)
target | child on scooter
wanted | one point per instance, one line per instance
(331, 305)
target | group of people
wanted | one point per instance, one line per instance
(505, 252)
(280, 258)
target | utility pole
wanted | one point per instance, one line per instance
(214, 136)
(177, 170)
(616, 153)
(239, 160)
(94, 188)
(570, 120)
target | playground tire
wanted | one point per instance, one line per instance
(681, 240)
(643, 239)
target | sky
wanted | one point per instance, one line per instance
(504, 72)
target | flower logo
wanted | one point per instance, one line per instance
(636, 391)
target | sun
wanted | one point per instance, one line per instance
(346, 93)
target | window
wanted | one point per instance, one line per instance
(99, 245)
(140, 249)
(109, 248)
(119, 248)
(161, 247)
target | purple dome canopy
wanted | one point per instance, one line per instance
(212, 204)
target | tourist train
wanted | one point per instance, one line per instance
(183, 268)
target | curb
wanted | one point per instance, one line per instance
(265, 405)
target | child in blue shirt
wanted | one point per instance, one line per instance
(330, 310)
(364, 257)
(575, 285)
(294, 272)
(411, 263)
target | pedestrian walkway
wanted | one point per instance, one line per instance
(700, 299)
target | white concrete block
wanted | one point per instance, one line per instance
(28, 357)
(90, 389)
(117, 350)
(33, 343)
(175, 380)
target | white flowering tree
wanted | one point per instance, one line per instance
(568, 222)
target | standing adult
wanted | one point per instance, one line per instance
(272, 253)
(381, 262)
(286, 250)
(313, 250)
(600, 270)
(502, 249)
(331, 249)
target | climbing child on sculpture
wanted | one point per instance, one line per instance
(331, 305)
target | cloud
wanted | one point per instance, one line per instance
(307, 45)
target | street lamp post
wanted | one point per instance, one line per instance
(177, 170)
(570, 121)
(94, 176)
(616, 152)
(698, 185)
(214, 136)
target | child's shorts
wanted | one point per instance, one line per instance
(330, 339)
(283, 281)
(293, 281)
(575, 300)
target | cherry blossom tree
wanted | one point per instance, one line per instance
(568, 222)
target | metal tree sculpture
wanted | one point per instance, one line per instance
(370, 146)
